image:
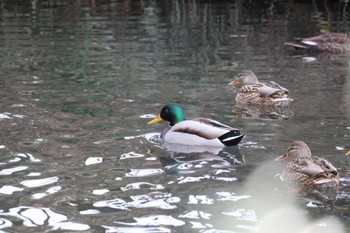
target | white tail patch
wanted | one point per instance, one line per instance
(282, 99)
(309, 42)
(231, 138)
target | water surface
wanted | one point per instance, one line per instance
(81, 79)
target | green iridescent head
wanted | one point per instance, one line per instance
(171, 112)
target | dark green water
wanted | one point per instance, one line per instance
(81, 79)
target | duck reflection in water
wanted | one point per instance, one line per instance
(260, 99)
(178, 158)
(185, 159)
(313, 175)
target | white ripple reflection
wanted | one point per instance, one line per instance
(4, 116)
(89, 211)
(100, 191)
(28, 156)
(8, 189)
(146, 201)
(72, 226)
(139, 185)
(143, 172)
(158, 200)
(196, 215)
(154, 220)
(200, 199)
(148, 136)
(111, 229)
(190, 179)
(131, 155)
(39, 182)
(33, 216)
(117, 203)
(4, 223)
(49, 191)
(93, 160)
(227, 196)
(9, 171)
(243, 215)
(150, 116)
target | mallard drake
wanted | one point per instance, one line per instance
(306, 169)
(258, 93)
(329, 42)
(196, 132)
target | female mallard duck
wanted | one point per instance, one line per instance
(196, 132)
(254, 92)
(329, 42)
(306, 169)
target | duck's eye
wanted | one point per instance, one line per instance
(166, 111)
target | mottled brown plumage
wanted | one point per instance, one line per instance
(306, 169)
(313, 175)
(258, 93)
(329, 42)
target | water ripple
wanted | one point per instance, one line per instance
(33, 216)
(4, 116)
(226, 179)
(9, 171)
(143, 172)
(227, 196)
(150, 116)
(39, 182)
(93, 160)
(131, 155)
(156, 200)
(154, 220)
(151, 137)
(146, 201)
(253, 145)
(117, 203)
(138, 185)
(190, 179)
(51, 190)
(110, 229)
(196, 215)
(8, 189)
(243, 215)
(100, 191)
(4, 223)
(202, 199)
(89, 211)
(7, 115)
(71, 226)
(28, 156)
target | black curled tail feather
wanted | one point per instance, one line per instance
(231, 138)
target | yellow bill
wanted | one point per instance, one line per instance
(155, 120)
(282, 157)
(233, 83)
